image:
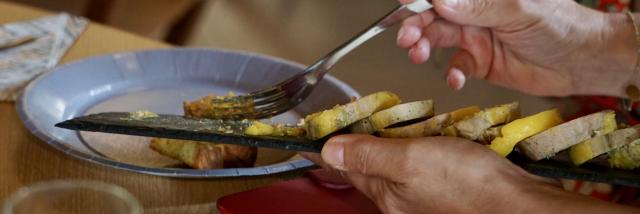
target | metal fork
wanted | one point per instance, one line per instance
(291, 92)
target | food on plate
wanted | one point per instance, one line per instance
(520, 129)
(142, 114)
(563, 136)
(199, 155)
(626, 157)
(206, 155)
(537, 136)
(323, 123)
(596, 146)
(490, 134)
(258, 128)
(463, 113)
(219, 107)
(430, 127)
(394, 115)
(473, 127)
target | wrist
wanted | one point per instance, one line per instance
(624, 51)
(614, 57)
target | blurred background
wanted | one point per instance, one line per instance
(301, 31)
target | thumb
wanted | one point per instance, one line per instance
(368, 155)
(482, 13)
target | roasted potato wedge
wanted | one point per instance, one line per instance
(200, 155)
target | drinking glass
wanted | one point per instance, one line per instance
(72, 196)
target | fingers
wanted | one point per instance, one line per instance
(456, 79)
(460, 62)
(368, 155)
(411, 29)
(375, 188)
(420, 52)
(482, 13)
(473, 60)
(361, 182)
(439, 33)
(443, 34)
(315, 158)
(410, 32)
(406, 1)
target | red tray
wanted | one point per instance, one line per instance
(317, 192)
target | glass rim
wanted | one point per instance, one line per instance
(98, 186)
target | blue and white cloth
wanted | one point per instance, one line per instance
(53, 36)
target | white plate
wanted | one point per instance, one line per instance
(160, 80)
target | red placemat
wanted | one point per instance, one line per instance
(317, 192)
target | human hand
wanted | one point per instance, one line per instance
(446, 175)
(547, 47)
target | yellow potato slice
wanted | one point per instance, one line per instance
(519, 129)
(626, 157)
(326, 122)
(396, 114)
(563, 136)
(258, 128)
(472, 128)
(599, 145)
(432, 126)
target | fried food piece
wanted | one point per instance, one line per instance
(472, 128)
(463, 113)
(563, 136)
(200, 155)
(520, 129)
(425, 128)
(219, 107)
(596, 146)
(626, 157)
(142, 114)
(489, 135)
(203, 155)
(323, 123)
(258, 128)
(432, 126)
(396, 114)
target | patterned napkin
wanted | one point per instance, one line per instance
(20, 64)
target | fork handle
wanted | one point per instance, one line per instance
(397, 15)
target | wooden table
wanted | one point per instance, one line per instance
(24, 159)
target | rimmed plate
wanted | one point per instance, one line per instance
(160, 81)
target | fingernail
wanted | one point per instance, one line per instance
(425, 46)
(451, 3)
(334, 156)
(456, 79)
(401, 33)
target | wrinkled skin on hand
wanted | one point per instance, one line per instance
(429, 174)
(547, 47)
(542, 47)
(447, 175)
